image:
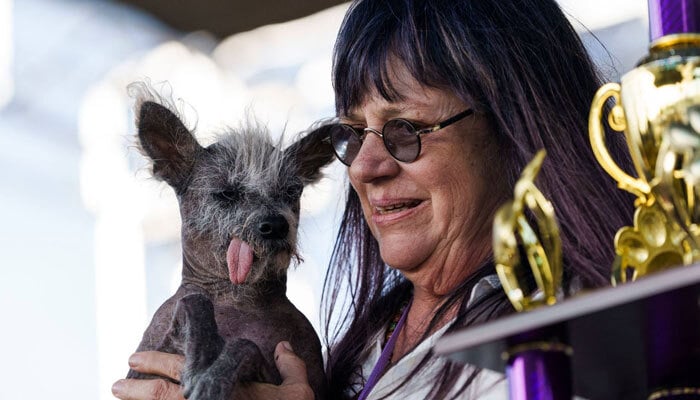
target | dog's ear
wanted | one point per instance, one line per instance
(310, 153)
(168, 143)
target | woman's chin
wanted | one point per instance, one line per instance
(402, 261)
(404, 250)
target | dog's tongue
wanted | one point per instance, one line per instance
(239, 258)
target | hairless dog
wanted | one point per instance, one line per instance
(239, 202)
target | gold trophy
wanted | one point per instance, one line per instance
(657, 106)
(529, 266)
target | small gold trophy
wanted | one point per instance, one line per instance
(516, 244)
(657, 106)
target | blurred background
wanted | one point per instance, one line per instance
(89, 244)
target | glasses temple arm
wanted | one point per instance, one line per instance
(447, 122)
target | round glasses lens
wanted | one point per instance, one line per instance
(346, 143)
(401, 140)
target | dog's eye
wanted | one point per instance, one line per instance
(294, 192)
(228, 196)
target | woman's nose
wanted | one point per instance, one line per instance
(373, 161)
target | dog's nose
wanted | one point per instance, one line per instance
(274, 227)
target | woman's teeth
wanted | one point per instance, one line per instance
(396, 207)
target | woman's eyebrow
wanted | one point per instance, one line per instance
(351, 118)
(393, 112)
(385, 113)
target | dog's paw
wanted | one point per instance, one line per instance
(207, 386)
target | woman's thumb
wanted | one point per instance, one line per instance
(291, 367)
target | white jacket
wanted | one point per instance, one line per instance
(488, 386)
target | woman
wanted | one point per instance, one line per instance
(494, 82)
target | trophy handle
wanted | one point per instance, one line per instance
(616, 120)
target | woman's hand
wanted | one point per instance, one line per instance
(295, 385)
(156, 363)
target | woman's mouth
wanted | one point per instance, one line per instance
(397, 207)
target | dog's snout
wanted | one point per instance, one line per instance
(273, 227)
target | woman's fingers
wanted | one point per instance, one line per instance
(157, 363)
(146, 389)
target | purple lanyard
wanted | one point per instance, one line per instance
(385, 357)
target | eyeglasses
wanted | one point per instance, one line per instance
(401, 138)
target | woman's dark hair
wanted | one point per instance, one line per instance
(522, 65)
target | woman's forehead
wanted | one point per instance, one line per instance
(413, 100)
(392, 82)
(406, 92)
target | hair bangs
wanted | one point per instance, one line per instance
(366, 51)
(361, 61)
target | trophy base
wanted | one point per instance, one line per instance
(627, 341)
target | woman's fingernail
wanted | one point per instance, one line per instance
(118, 387)
(135, 360)
(287, 346)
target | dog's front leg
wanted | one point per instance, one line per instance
(202, 343)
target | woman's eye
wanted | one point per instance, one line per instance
(228, 196)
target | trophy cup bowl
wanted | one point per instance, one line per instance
(651, 100)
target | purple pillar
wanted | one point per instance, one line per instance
(536, 374)
(667, 17)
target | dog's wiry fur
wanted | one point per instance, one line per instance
(239, 202)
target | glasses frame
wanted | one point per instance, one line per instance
(362, 133)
